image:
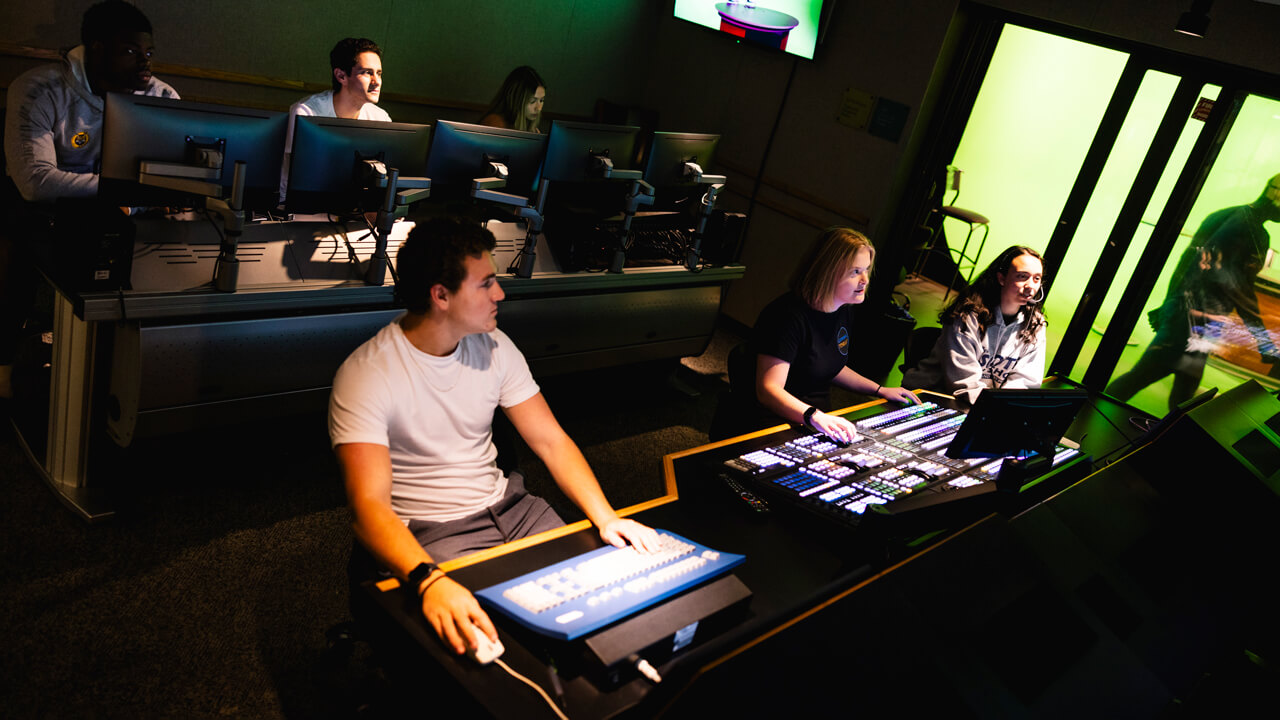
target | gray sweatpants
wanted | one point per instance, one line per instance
(518, 514)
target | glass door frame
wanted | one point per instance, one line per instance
(945, 111)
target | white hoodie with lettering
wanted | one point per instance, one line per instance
(965, 359)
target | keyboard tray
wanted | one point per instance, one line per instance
(591, 610)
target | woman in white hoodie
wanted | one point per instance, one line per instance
(993, 334)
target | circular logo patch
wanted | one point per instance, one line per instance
(842, 341)
(80, 139)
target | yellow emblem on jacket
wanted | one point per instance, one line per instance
(80, 139)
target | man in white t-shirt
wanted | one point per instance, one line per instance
(356, 68)
(411, 416)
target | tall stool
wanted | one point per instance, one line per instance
(962, 259)
(973, 219)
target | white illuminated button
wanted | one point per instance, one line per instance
(569, 617)
(711, 554)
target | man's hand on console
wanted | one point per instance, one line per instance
(452, 610)
(620, 531)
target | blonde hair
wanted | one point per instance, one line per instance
(827, 263)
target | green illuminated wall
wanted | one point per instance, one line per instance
(1033, 122)
(1035, 118)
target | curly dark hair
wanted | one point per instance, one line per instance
(343, 56)
(982, 298)
(435, 253)
(111, 19)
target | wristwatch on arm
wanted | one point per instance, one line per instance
(420, 573)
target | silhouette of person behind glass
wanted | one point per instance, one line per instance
(1214, 276)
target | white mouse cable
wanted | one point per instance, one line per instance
(532, 684)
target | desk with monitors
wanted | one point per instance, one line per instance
(263, 311)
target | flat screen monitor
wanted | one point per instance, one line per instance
(571, 147)
(325, 167)
(138, 128)
(668, 153)
(1007, 423)
(787, 25)
(462, 152)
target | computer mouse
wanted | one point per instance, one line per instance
(485, 650)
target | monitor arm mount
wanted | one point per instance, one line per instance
(1016, 471)
(201, 175)
(401, 192)
(640, 193)
(487, 189)
(714, 183)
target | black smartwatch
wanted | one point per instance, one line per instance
(420, 573)
(808, 415)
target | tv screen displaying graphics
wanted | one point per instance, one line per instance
(323, 174)
(141, 128)
(787, 25)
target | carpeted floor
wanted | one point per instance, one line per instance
(209, 593)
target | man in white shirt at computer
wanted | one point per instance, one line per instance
(411, 422)
(356, 73)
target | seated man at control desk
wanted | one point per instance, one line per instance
(356, 74)
(53, 128)
(410, 419)
(53, 140)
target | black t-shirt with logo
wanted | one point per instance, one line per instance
(816, 344)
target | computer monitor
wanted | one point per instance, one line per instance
(1008, 423)
(462, 153)
(327, 168)
(160, 151)
(670, 153)
(575, 152)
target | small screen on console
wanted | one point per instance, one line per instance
(1006, 423)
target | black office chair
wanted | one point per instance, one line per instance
(919, 344)
(730, 418)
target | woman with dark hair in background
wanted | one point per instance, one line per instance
(993, 334)
(518, 105)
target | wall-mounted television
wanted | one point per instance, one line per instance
(787, 25)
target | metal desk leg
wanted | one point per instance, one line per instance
(70, 405)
